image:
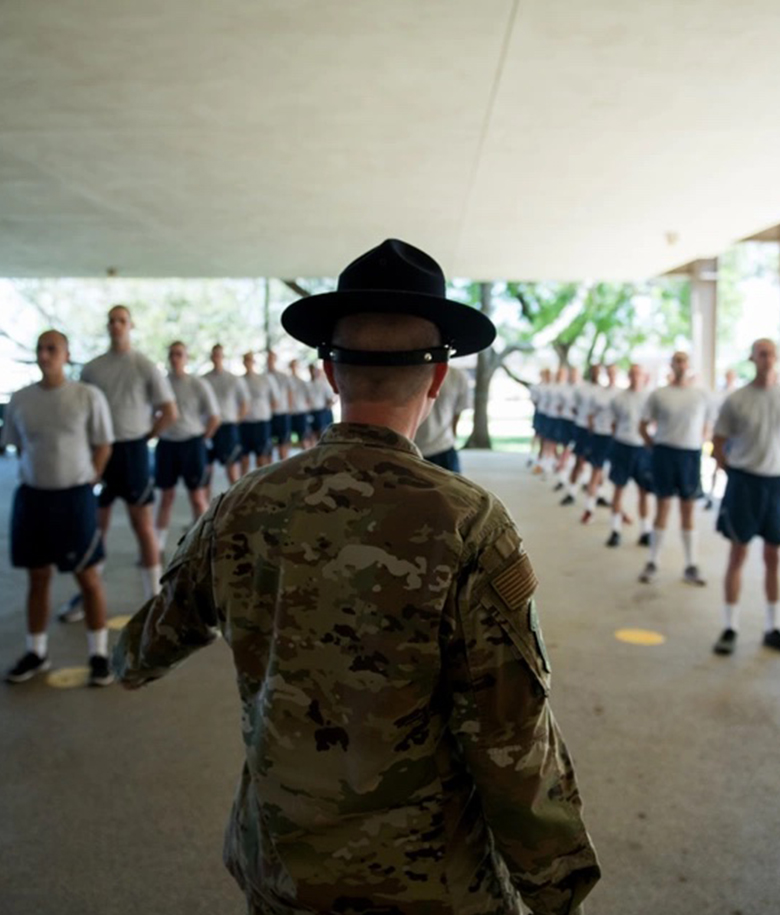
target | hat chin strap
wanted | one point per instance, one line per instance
(427, 356)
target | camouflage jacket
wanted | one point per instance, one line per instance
(401, 754)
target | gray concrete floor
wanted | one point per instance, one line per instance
(115, 802)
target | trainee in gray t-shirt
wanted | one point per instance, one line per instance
(601, 409)
(56, 429)
(195, 402)
(750, 420)
(680, 414)
(627, 410)
(435, 435)
(231, 393)
(134, 387)
(583, 403)
(261, 397)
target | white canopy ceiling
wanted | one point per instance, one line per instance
(525, 140)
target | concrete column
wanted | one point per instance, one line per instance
(704, 318)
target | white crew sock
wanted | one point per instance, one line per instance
(731, 616)
(647, 525)
(162, 537)
(656, 544)
(150, 578)
(38, 643)
(617, 522)
(97, 642)
(571, 490)
(590, 503)
(771, 617)
(689, 545)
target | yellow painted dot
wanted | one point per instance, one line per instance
(640, 637)
(118, 622)
(68, 677)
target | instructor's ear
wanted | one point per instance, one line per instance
(327, 367)
(439, 374)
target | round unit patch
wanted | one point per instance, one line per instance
(640, 637)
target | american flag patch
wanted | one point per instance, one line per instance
(517, 582)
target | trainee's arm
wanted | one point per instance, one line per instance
(522, 770)
(100, 456)
(165, 414)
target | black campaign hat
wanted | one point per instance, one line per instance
(393, 278)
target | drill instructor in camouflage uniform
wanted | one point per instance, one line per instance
(401, 754)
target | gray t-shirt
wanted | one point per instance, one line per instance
(750, 420)
(195, 402)
(282, 393)
(320, 393)
(300, 395)
(435, 435)
(583, 403)
(627, 410)
(566, 400)
(260, 389)
(680, 415)
(601, 409)
(134, 388)
(231, 393)
(56, 429)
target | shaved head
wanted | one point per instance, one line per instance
(388, 333)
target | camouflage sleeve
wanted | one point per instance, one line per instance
(500, 678)
(181, 619)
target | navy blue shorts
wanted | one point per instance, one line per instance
(750, 508)
(676, 472)
(631, 462)
(554, 428)
(600, 447)
(582, 437)
(55, 527)
(565, 432)
(544, 425)
(255, 437)
(224, 446)
(299, 424)
(280, 428)
(449, 459)
(181, 460)
(535, 421)
(321, 419)
(128, 474)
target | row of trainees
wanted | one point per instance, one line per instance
(656, 439)
(72, 435)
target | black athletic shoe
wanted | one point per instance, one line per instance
(558, 486)
(72, 611)
(772, 639)
(99, 671)
(726, 643)
(602, 502)
(648, 573)
(644, 540)
(692, 576)
(614, 539)
(568, 499)
(708, 504)
(27, 667)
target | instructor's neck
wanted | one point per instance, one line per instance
(120, 346)
(401, 420)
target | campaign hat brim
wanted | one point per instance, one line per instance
(311, 320)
